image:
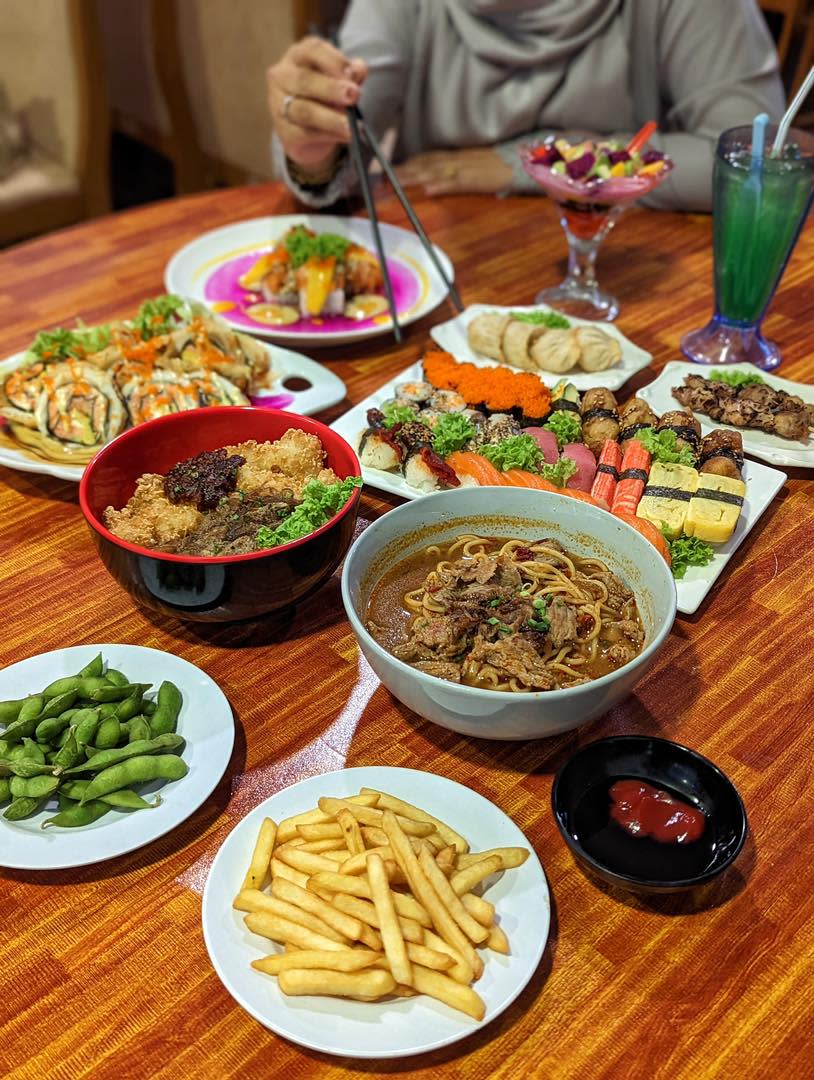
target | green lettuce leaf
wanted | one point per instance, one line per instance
(452, 432)
(736, 378)
(566, 425)
(319, 504)
(663, 447)
(552, 319)
(687, 551)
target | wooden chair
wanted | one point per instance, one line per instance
(789, 13)
(53, 78)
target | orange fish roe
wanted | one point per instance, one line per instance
(495, 387)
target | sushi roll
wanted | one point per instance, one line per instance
(686, 428)
(447, 401)
(423, 468)
(415, 393)
(722, 454)
(634, 417)
(600, 418)
(429, 416)
(501, 426)
(479, 422)
(485, 334)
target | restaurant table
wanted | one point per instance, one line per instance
(104, 971)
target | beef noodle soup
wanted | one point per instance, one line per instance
(506, 614)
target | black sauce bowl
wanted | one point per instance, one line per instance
(580, 801)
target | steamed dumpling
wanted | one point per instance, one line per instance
(556, 351)
(518, 337)
(599, 350)
(485, 334)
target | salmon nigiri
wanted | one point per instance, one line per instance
(475, 467)
(522, 478)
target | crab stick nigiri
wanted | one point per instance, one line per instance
(632, 478)
(607, 473)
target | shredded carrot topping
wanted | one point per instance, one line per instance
(496, 388)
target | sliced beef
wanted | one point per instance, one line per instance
(618, 593)
(621, 653)
(562, 618)
(442, 669)
(514, 657)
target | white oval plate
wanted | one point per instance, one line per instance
(762, 484)
(451, 336)
(399, 1027)
(205, 722)
(760, 444)
(207, 269)
(324, 389)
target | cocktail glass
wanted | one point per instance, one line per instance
(758, 211)
(589, 209)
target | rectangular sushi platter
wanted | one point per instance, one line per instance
(762, 485)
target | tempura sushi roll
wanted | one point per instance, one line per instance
(600, 418)
(485, 334)
(555, 351)
(722, 453)
(320, 290)
(518, 338)
(686, 428)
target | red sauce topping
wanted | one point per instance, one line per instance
(644, 810)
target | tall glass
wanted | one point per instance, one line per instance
(759, 208)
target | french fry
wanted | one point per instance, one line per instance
(510, 857)
(353, 960)
(479, 908)
(316, 847)
(373, 836)
(389, 924)
(357, 864)
(305, 861)
(473, 929)
(446, 859)
(261, 856)
(283, 870)
(371, 938)
(414, 813)
(338, 857)
(461, 970)
(279, 929)
(253, 900)
(343, 924)
(366, 911)
(464, 881)
(424, 892)
(429, 958)
(287, 829)
(329, 830)
(407, 906)
(452, 993)
(367, 815)
(351, 831)
(498, 942)
(362, 985)
(436, 841)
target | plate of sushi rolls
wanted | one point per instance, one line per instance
(313, 279)
(544, 342)
(444, 423)
(774, 416)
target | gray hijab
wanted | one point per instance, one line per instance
(484, 70)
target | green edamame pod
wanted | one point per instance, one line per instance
(49, 757)
(73, 789)
(34, 751)
(85, 723)
(169, 702)
(103, 759)
(10, 710)
(62, 686)
(77, 814)
(48, 730)
(129, 800)
(27, 719)
(139, 770)
(139, 729)
(107, 708)
(89, 683)
(57, 705)
(34, 787)
(93, 668)
(18, 752)
(149, 707)
(115, 693)
(130, 707)
(116, 677)
(71, 753)
(5, 790)
(4, 748)
(63, 737)
(22, 808)
(108, 734)
(25, 767)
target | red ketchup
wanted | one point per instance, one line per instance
(644, 810)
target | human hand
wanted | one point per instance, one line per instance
(479, 170)
(309, 89)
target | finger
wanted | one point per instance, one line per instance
(444, 187)
(316, 53)
(316, 120)
(304, 83)
(357, 70)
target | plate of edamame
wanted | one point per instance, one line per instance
(104, 748)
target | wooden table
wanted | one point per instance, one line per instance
(104, 973)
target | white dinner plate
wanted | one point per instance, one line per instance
(760, 444)
(205, 721)
(398, 1027)
(208, 268)
(302, 386)
(762, 484)
(451, 336)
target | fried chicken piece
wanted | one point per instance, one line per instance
(285, 465)
(149, 519)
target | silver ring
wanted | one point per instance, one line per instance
(287, 100)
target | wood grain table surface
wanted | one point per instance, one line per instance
(104, 972)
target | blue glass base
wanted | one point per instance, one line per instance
(721, 342)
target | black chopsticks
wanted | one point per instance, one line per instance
(359, 129)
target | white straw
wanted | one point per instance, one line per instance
(791, 112)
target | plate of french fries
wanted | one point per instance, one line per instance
(375, 912)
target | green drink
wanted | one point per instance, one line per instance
(759, 208)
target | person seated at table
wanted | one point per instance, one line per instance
(467, 81)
